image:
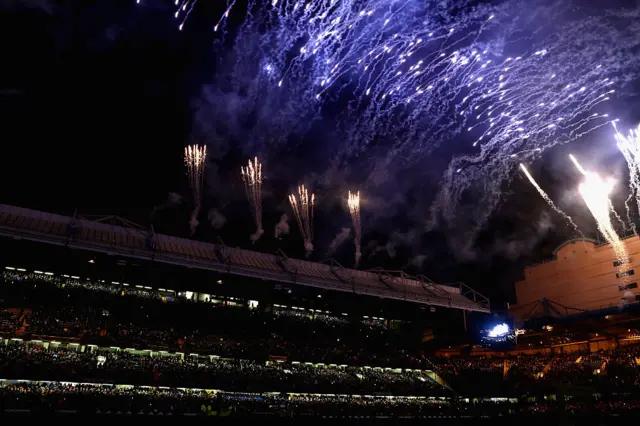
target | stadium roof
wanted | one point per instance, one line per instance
(128, 240)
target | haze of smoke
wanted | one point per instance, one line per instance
(525, 240)
(44, 5)
(282, 227)
(172, 199)
(338, 240)
(418, 260)
(308, 248)
(193, 220)
(256, 236)
(216, 218)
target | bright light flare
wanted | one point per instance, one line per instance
(303, 207)
(252, 178)
(595, 192)
(353, 203)
(499, 330)
(195, 159)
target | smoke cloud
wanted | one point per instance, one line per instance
(338, 240)
(256, 236)
(216, 218)
(282, 227)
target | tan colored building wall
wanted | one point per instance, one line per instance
(582, 275)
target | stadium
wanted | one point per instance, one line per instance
(99, 310)
(333, 209)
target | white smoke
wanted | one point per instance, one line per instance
(282, 227)
(256, 236)
(216, 218)
(338, 240)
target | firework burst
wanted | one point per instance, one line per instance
(252, 178)
(595, 192)
(303, 207)
(195, 159)
(354, 209)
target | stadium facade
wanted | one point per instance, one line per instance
(125, 239)
(582, 276)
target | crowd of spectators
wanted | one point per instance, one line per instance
(66, 398)
(232, 347)
(36, 362)
(106, 314)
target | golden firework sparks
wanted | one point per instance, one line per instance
(353, 203)
(252, 178)
(303, 207)
(194, 158)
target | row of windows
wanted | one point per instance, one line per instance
(628, 286)
(621, 262)
(626, 273)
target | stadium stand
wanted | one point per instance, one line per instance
(133, 241)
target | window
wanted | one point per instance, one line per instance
(621, 262)
(627, 286)
(626, 273)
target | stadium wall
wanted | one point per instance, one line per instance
(582, 275)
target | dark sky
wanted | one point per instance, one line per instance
(97, 103)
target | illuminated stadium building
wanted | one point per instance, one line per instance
(582, 276)
(119, 251)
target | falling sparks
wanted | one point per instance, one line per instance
(183, 9)
(252, 178)
(630, 147)
(354, 209)
(421, 77)
(303, 207)
(595, 192)
(548, 199)
(194, 158)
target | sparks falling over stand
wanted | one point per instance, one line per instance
(195, 159)
(303, 207)
(252, 178)
(595, 193)
(546, 197)
(354, 210)
(630, 147)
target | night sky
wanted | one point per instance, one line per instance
(99, 99)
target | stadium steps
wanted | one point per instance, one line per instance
(441, 381)
(23, 320)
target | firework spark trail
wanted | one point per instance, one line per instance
(595, 193)
(303, 207)
(184, 8)
(354, 209)
(252, 178)
(195, 159)
(630, 147)
(546, 197)
(406, 68)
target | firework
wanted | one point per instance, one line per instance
(420, 75)
(194, 159)
(252, 178)
(630, 147)
(595, 192)
(548, 199)
(303, 207)
(353, 203)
